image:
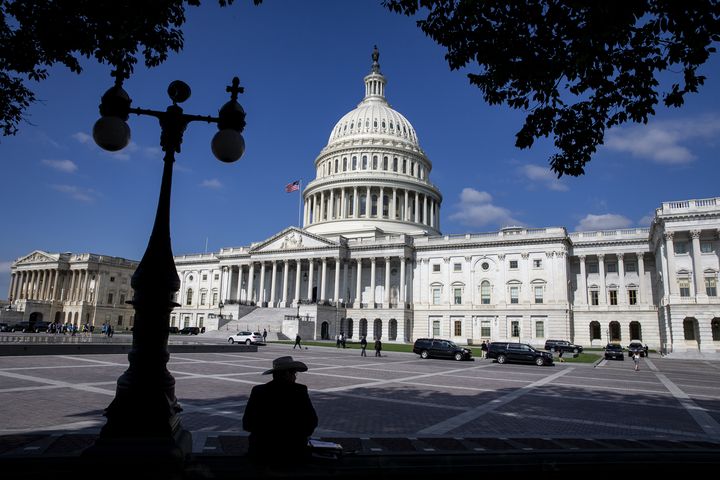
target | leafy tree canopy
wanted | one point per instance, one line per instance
(576, 67)
(37, 34)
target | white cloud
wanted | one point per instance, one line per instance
(544, 177)
(646, 221)
(67, 166)
(123, 154)
(83, 138)
(80, 194)
(664, 141)
(602, 222)
(211, 183)
(476, 210)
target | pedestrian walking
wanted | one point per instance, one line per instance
(636, 360)
(378, 348)
(337, 341)
(264, 335)
(363, 346)
(483, 349)
(560, 355)
(297, 342)
(647, 352)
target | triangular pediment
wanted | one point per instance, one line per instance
(292, 239)
(38, 256)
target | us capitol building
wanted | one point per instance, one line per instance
(371, 260)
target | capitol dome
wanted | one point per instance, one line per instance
(372, 176)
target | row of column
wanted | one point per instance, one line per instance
(696, 252)
(50, 285)
(346, 203)
(275, 296)
(602, 296)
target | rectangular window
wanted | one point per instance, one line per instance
(613, 297)
(436, 296)
(436, 328)
(513, 264)
(214, 298)
(485, 328)
(110, 298)
(457, 267)
(122, 299)
(436, 268)
(592, 268)
(120, 320)
(612, 267)
(186, 321)
(706, 247)
(515, 328)
(630, 267)
(537, 263)
(457, 324)
(216, 276)
(684, 285)
(457, 294)
(203, 298)
(711, 286)
(594, 297)
(538, 294)
(632, 297)
(201, 321)
(680, 247)
(514, 293)
(204, 277)
(485, 293)
(540, 329)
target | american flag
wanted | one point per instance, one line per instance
(291, 187)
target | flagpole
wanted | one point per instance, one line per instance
(299, 202)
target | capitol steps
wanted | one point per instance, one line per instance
(270, 319)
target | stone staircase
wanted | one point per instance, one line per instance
(270, 319)
(693, 355)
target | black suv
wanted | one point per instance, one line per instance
(30, 327)
(518, 352)
(438, 348)
(190, 331)
(636, 347)
(614, 351)
(564, 345)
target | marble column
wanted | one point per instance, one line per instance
(700, 292)
(251, 282)
(273, 279)
(386, 300)
(381, 203)
(73, 276)
(298, 271)
(402, 300)
(601, 272)
(261, 287)
(323, 277)
(356, 207)
(286, 274)
(622, 294)
(311, 269)
(393, 211)
(11, 291)
(582, 284)
(372, 282)
(670, 279)
(239, 283)
(345, 288)
(417, 208)
(358, 285)
(641, 278)
(336, 292)
(406, 214)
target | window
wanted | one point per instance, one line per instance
(122, 299)
(374, 162)
(592, 268)
(203, 298)
(436, 295)
(485, 293)
(613, 297)
(680, 248)
(120, 320)
(612, 267)
(364, 162)
(514, 292)
(537, 263)
(632, 296)
(110, 298)
(711, 286)
(485, 328)
(706, 247)
(538, 294)
(436, 328)
(373, 205)
(354, 163)
(457, 295)
(457, 267)
(540, 329)
(684, 285)
(188, 297)
(594, 297)
(457, 327)
(436, 268)
(216, 276)
(214, 298)
(385, 163)
(112, 279)
(515, 328)
(630, 267)
(513, 264)
(485, 266)
(204, 277)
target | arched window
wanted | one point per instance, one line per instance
(344, 164)
(635, 331)
(189, 296)
(373, 206)
(395, 164)
(715, 329)
(337, 163)
(386, 206)
(392, 330)
(485, 293)
(377, 329)
(404, 168)
(374, 162)
(385, 163)
(349, 328)
(363, 327)
(364, 162)
(689, 328)
(595, 333)
(363, 204)
(615, 335)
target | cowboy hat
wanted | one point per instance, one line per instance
(286, 363)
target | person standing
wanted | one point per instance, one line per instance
(636, 360)
(337, 341)
(280, 415)
(483, 349)
(378, 348)
(264, 335)
(560, 355)
(363, 346)
(647, 351)
(343, 340)
(297, 341)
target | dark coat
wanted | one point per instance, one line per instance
(280, 418)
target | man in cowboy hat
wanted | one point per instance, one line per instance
(279, 414)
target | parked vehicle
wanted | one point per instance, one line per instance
(564, 345)
(614, 351)
(246, 337)
(30, 327)
(4, 327)
(506, 352)
(173, 330)
(190, 331)
(635, 346)
(439, 348)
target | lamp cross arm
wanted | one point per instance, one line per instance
(186, 117)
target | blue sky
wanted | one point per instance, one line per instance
(302, 65)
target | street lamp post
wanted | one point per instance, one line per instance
(142, 420)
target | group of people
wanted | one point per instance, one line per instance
(70, 328)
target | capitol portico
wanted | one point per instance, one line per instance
(371, 261)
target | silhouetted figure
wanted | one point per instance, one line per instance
(297, 342)
(363, 346)
(264, 335)
(280, 416)
(378, 348)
